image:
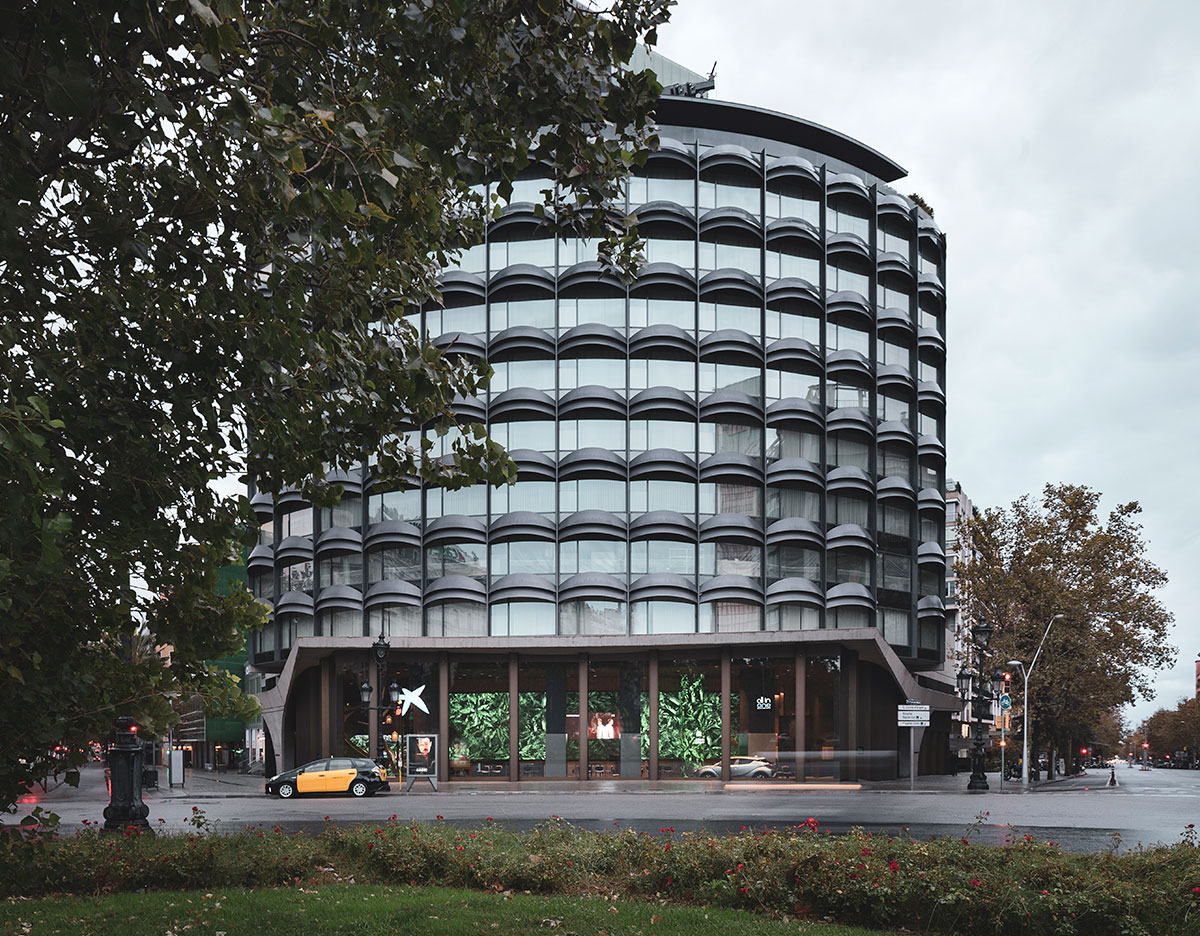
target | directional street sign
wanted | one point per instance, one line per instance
(912, 716)
(1005, 702)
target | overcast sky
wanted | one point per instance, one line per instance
(1059, 145)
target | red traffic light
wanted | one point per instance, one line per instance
(1145, 744)
(1008, 677)
(133, 729)
(1083, 751)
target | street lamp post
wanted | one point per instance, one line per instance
(976, 689)
(379, 651)
(1025, 673)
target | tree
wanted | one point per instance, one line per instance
(1031, 561)
(212, 218)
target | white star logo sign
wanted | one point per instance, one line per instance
(412, 697)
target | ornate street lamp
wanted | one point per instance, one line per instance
(978, 690)
(380, 650)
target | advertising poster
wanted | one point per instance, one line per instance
(422, 755)
(604, 726)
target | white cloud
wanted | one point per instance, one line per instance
(1057, 144)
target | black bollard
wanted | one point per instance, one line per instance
(125, 809)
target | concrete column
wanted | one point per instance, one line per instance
(583, 716)
(850, 677)
(653, 693)
(801, 729)
(326, 705)
(514, 724)
(443, 748)
(725, 713)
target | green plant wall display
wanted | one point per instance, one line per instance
(531, 725)
(480, 721)
(689, 722)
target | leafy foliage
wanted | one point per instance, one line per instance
(689, 722)
(1027, 886)
(212, 217)
(1031, 561)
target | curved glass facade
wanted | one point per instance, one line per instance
(746, 439)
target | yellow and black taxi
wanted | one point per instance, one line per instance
(357, 776)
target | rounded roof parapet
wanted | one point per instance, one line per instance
(742, 118)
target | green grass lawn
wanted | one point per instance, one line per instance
(365, 910)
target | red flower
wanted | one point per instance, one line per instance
(976, 883)
(893, 865)
(439, 818)
(370, 845)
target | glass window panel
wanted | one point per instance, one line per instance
(607, 556)
(646, 434)
(471, 260)
(894, 461)
(730, 498)
(538, 435)
(892, 297)
(788, 260)
(730, 437)
(297, 577)
(845, 338)
(572, 250)
(895, 572)
(536, 374)
(721, 255)
(679, 496)
(793, 443)
(395, 505)
(602, 310)
(341, 623)
(895, 520)
(470, 501)
(681, 252)
(717, 315)
(592, 617)
(654, 556)
(530, 190)
(346, 513)
(583, 372)
(342, 570)
(262, 583)
(297, 523)
(469, 559)
(644, 374)
(522, 558)
(930, 633)
(653, 311)
(523, 619)
(535, 496)
(850, 565)
(784, 324)
(782, 384)
(592, 494)
(928, 372)
(849, 217)
(786, 503)
(894, 354)
(793, 562)
(730, 559)
(538, 251)
(791, 198)
(731, 194)
(792, 616)
(844, 509)
(401, 563)
(894, 410)
(841, 395)
(895, 241)
(714, 376)
(666, 617)
(592, 433)
(838, 279)
(929, 425)
(894, 626)
(849, 452)
(538, 313)
(266, 532)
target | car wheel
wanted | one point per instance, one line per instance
(761, 775)
(286, 790)
(358, 788)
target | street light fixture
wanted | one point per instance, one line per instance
(979, 690)
(1026, 673)
(380, 650)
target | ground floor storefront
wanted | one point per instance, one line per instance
(803, 711)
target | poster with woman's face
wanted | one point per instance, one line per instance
(604, 725)
(422, 754)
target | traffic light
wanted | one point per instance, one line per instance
(1083, 751)
(1145, 744)
(133, 729)
(1007, 681)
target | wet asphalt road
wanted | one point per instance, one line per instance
(1080, 814)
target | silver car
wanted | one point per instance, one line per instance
(755, 767)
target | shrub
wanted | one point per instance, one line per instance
(936, 886)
